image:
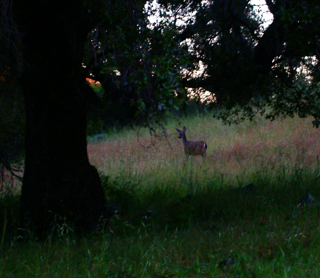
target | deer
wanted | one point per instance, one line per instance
(192, 147)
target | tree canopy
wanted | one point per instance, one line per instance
(248, 66)
(144, 68)
(245, 66)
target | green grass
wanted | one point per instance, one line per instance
(193, 218)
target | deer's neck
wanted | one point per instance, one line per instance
(184, 139)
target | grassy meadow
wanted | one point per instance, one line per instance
(238, 213)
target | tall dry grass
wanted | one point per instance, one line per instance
(242, 150)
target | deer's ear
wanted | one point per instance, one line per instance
(184, 129)
(178, 130)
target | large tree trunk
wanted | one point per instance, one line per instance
(59, 182)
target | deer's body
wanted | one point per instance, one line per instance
(192, 147)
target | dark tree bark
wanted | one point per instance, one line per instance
(58, 181)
